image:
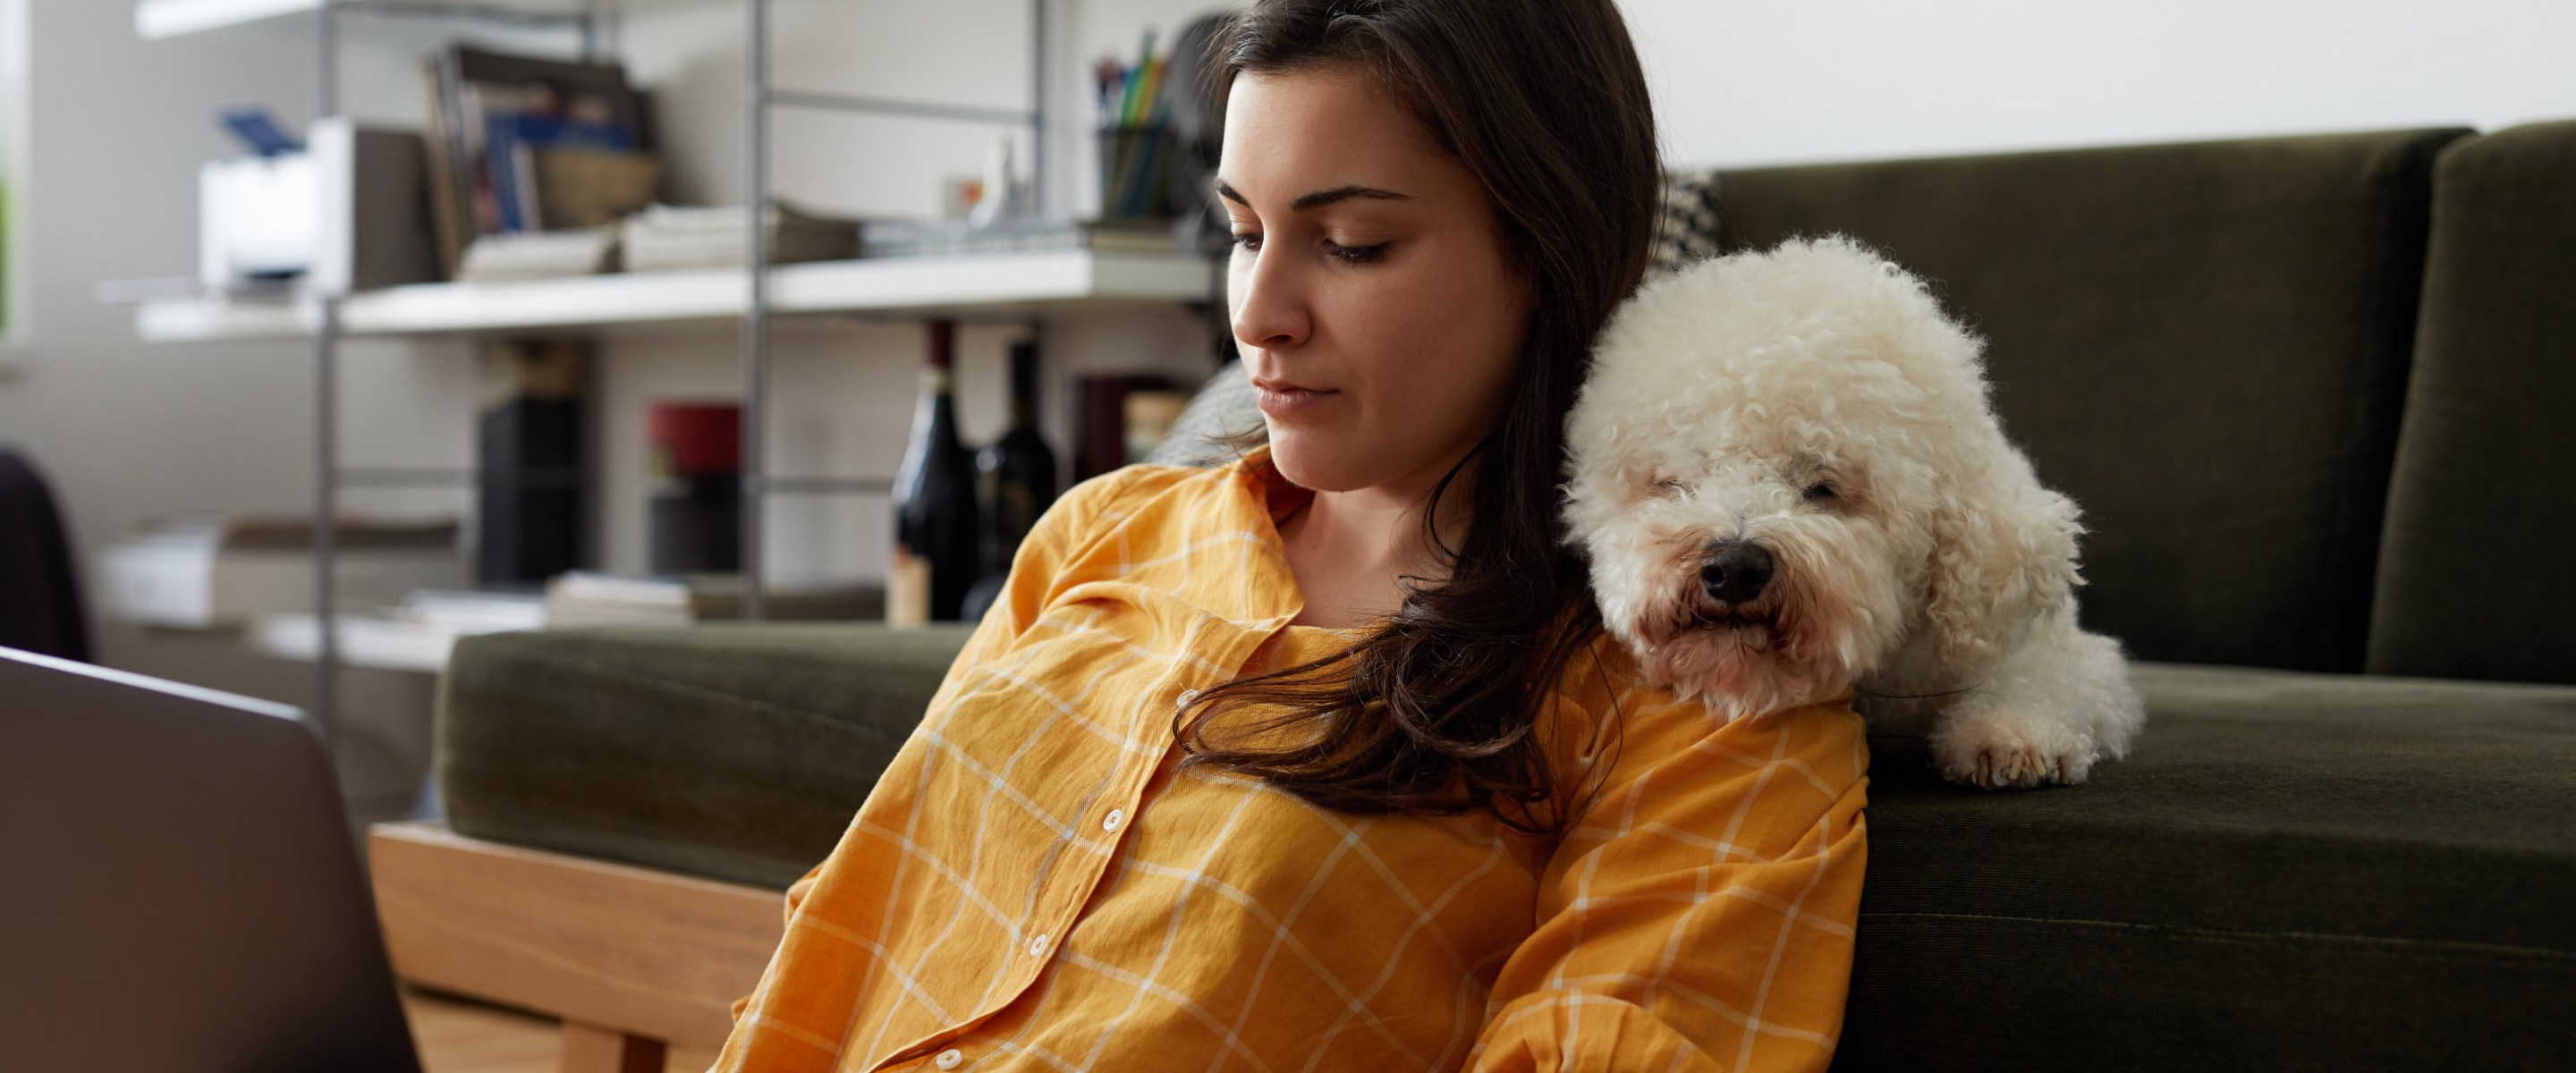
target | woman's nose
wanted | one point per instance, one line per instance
(1268, 300)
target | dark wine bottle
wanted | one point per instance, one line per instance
(1018, 470)
(936, 557)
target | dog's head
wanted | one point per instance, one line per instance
(1782, 465)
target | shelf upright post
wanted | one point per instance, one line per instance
(755, 316)
(1038, 75)
(326, 427)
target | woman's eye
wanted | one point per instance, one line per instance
(1248, 239)
(1355, 254)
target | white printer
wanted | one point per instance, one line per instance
(348, 211)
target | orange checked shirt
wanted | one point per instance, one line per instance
(1035, 886)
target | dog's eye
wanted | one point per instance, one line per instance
(1821, 491)
(1668, 485)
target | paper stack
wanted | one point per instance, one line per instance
(416, 636)
(915, 238)
(580, 598)
(521, 255)
(669, 237)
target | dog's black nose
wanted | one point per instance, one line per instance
(1735, 571)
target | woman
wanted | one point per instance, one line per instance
(1319, 759)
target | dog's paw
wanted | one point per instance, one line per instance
(1994, 756)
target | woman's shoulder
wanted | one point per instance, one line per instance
(1607, 708)
(1101, 502)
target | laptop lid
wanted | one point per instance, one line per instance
(179, 889)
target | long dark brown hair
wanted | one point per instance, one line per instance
(1436, 710)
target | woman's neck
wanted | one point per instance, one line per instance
(1348, 549)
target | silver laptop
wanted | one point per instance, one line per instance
(179, 891)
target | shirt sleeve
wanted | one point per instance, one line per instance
(1700, 915)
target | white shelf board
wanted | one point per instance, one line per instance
(966, 284)
(156, 20)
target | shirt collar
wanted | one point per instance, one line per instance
(1272, 490)
(1267, 496)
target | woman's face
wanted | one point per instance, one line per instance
(1370, 291)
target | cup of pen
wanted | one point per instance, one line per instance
(1135, 171)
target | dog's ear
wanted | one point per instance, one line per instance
(2003, 554)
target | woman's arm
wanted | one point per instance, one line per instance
(1700, 915)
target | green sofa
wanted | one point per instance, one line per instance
(2318, 398)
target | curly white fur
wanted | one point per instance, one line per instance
(1809, 412)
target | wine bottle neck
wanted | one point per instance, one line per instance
(1024, 385)
(943, 344)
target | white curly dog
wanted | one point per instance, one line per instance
(1788, 479)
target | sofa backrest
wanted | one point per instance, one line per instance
(2476, 579)
(2204, 344)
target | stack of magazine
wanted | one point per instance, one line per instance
(583, 598)
(919, 238)
(417, 635)
(667, 237)
(578, 251)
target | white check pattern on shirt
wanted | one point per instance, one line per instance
(1699, 916)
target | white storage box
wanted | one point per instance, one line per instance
(216, 574)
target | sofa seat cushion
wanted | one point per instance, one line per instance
(737, 751)
(2290, 871)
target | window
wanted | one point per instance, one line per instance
(14, 290)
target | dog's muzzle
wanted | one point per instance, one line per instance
(1734, 572)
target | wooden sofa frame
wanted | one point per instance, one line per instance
(632, 959)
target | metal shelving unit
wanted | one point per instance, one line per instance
(1017, 283)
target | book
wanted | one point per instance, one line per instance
(466, 611)
(1100, 431)
(580, 187)
(674, 237)
(918, 238)
(521, 144)
(582, 598)
(416, 635)
(579, 251)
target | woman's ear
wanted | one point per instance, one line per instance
(2003, 554)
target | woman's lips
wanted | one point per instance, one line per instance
(1288, 400)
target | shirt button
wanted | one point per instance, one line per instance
(1110, 822)
(1187, 695)
(1037, 946)
(949, 1058)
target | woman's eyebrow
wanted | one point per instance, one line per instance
(1319, 198)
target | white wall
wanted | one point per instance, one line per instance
(1779, 82)
(129, 430)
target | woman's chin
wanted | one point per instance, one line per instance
(1312, 459)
